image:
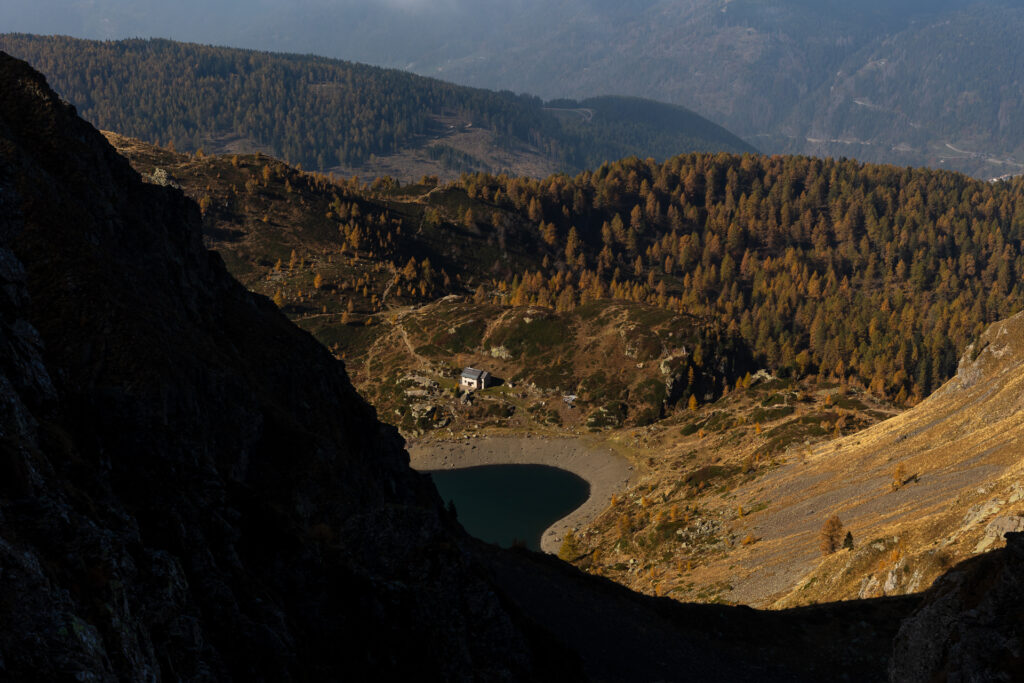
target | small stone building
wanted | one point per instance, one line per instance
(474, 379)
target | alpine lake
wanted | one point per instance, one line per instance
(510, 504)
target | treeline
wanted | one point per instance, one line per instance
(834, 268)
(310, 110)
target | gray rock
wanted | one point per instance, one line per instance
(968, 627)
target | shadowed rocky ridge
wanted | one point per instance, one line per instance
(190, 489)
(971, 627)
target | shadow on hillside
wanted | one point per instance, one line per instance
(612, 627)
(222, 234)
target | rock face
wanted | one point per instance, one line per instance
(998, 352)
(190, 488)
(971, 625)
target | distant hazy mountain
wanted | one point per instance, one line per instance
(910, 82)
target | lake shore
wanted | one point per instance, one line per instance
(607, 472)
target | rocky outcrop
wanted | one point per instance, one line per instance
(999, 351)
(970, 626)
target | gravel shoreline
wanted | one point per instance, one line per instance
(605, 471)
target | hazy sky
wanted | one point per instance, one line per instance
(385, 32)
(179, 18)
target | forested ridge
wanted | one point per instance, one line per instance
(824, 267)
(873, 274)
(320, 112)
(310, 109)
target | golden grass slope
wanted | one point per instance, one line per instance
(918, 492)
(717, 516)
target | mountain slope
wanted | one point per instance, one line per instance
(909, 83)
(874, 274)
(946, 476)
(902, 98)
(348, 117)
(725, 513)
(755, 463)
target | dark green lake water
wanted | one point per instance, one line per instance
(505, 503)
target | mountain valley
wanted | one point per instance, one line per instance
(213, 360)
(732, 489)
(193, 489)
